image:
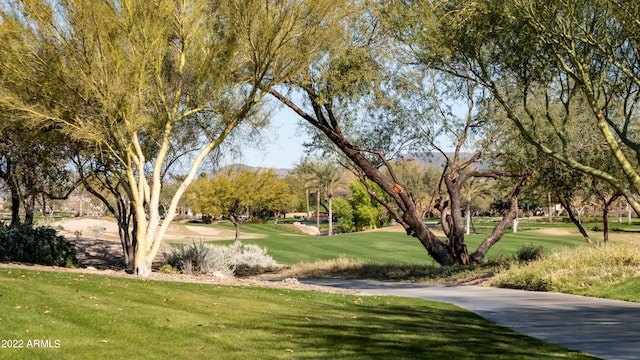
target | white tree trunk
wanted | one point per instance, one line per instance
(550, 208)
(467, 221)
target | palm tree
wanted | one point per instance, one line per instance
(304, 173)
(327, 177)
(473, 189)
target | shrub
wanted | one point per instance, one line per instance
(204, 259)
(529, 252)
(36, 245)
(572, 269)
(168, 269)
(97, 230)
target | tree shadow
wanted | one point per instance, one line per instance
(378, 330)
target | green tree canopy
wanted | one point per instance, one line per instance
(148, 82)
(239, 193)
(563, 71)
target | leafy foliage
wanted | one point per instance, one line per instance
(37, 245)
(344, 212)
(367, 213)
(241, 192)
(148, 84)
(530, 252)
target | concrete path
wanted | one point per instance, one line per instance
(608, 329)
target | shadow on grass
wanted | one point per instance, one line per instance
(353, 269)
(379, 330)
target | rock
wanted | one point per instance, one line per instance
(218, 275)
(291, 281)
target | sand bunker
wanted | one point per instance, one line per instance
(108, 229)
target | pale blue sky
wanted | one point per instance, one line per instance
(283, 143)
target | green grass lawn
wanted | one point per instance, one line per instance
(627, 290)
(99, 317)
(288, 247)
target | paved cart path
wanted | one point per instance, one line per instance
(608, 329)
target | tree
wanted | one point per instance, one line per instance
(372, 108)
(146, 83)
(34, 165)
(421, 181)
(237, 193)
(303, 174)
(366, 211)
(550, 64)
(275, 197)
(344, 212)
(567, 186)
(327, 176)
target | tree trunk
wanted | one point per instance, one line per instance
(330, 214)
(318, 209)
(126, 217)
(550, 208)
(308, 207)
(605, 224)
(576, 221)
(605, 215)
(143, 267)
(620, 215)
(514, 227)
(477, 257)
(457, 245)
(237, 236)
(123, 210)
(445, 221)
(29, 209)
(15, 203)
(467, 221)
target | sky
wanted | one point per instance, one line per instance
(283, 143)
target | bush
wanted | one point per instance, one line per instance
(572, 269)
(36, 245)
(168, 269)
(203, 259)
(529, 252)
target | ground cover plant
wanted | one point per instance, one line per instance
(206, 259)
(585, 270)
(626, 290)
(82, 316)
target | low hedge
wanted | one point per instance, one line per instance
(36, 245)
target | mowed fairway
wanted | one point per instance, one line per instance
(384, 246)
(98, 317)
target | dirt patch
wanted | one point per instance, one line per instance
(180, 233)
(557, 231)
(621, 236)
(98, 253)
